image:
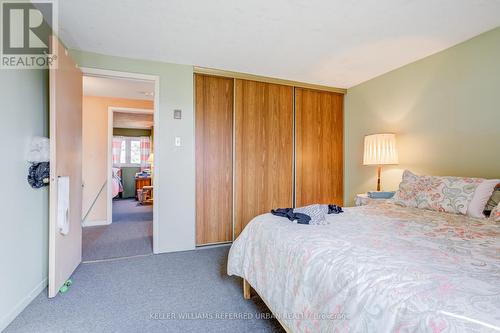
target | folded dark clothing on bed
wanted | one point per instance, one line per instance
(312, 214)
(315, 212)
(334, 209)
(289, 214)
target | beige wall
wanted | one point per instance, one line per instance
(95, 141)
(445, 109)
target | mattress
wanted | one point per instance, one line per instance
(379, 267)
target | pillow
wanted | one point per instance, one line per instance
(495, 214)
(481, 196)
(493, 201)
(443, 194)
(406, 195)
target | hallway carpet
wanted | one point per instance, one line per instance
(149, 294)
(130, 234)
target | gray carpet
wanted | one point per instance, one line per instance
(130, 234)
(123, 295)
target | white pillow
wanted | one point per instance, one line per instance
(481, 196)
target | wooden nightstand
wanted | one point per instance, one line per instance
(363, 199)
(140, 182)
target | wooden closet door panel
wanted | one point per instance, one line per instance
(319, 133)
(264, 149)
(214, 159)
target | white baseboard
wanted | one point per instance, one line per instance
(95, 223)
(5, 321)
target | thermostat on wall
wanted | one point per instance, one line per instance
(177, 114)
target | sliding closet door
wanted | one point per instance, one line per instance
(319, 147)
(263, 149)
(214, 159)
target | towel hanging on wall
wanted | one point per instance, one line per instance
(63, 205)
(39, 150)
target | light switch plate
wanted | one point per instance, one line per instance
(177, 114)
(177, 141)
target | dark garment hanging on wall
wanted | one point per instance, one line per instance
(39, 174)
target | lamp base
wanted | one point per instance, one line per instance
(379, 170)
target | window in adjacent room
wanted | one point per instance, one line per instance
(131, 151)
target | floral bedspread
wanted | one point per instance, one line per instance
(375, 268)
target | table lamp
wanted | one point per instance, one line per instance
(150, 161)
(380, 149)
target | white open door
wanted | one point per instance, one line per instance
(65, 250)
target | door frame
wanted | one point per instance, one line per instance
(105, 73)
(109, 156)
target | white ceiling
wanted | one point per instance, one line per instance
(333, 42)
(121, 88)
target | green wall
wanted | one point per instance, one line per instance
(175, 184)
(128, 181)
(445, 109)
(24, 222)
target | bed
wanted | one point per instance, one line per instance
(379, 267)
(117, 186)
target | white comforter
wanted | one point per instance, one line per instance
(379, 268)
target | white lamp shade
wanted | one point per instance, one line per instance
(380, 149)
